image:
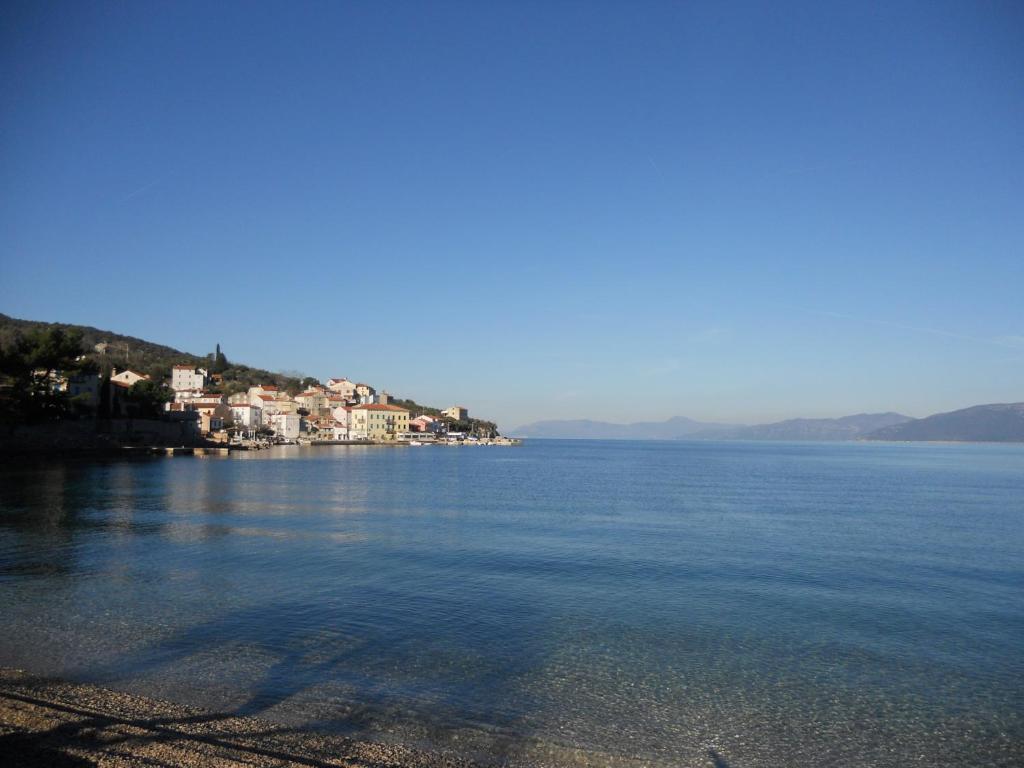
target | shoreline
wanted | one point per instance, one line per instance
(50, 722)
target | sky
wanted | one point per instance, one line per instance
(735, 212)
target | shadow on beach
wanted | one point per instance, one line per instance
(109, 728)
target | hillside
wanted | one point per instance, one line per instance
(156, 360)
(845, 428)
(996, 423)
(147, 357)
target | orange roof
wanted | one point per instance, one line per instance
(379, 407)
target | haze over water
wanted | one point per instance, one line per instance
(663, 603)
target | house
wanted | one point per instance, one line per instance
(339, 431)
(271, 404)
(210, 422)
(424, 424)
(187, 395)
(207, 398)
(211, 416)
(286, 425)
(262, 389)
(313, 401)
(378, 422)
(364, 390)
(85, 387)
(187, 377)
(126, 378)
(220, 410)
(249, 417)
(456, 412)
(342, 387)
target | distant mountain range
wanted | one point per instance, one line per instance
(583, 429)
(845, 428)
(680, 427)
(997, 423)
(980, 423)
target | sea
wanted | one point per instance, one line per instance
(561, 603)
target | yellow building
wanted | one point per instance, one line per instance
(456, 412)
(378, 422)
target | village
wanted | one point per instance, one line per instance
(338, 412)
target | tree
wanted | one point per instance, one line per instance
(32, 367)
(145, 399)
(220, 361)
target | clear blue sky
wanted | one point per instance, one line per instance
(536, 209)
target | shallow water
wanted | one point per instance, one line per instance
(597, 603)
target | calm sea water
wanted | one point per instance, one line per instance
(576, 603)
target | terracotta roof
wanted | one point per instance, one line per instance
(379, 407)
(184, 367)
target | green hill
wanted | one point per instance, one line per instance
(114, 350)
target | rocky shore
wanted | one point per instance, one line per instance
(46, 722)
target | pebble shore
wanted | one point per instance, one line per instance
(45, 722)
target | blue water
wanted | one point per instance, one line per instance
(565, 603)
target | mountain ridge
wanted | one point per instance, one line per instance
(587, 429)
(684, 428)
(991, 423)
(994, 422)
(843, 428)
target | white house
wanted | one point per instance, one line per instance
(286, 425)
(205, 398)
(248, 416)
(342, 414)
(186, 377)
